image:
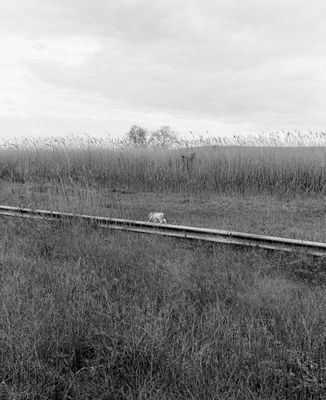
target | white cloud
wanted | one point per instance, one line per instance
(22, 93)
(72, 51)
(223, 64)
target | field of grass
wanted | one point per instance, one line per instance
(87, 314)
(93, 314)
(208, 169)
(299, 217)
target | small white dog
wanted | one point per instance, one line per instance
(157, 218)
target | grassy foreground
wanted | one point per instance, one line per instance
(91, 314)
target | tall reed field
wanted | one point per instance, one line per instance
(205, 169)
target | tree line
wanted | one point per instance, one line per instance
(162, 137)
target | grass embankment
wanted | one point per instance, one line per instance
(215, 169)
(91, 315)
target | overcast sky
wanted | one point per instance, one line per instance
(231, 66)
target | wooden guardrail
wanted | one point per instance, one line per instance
(178, 231)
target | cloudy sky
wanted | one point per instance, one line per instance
(223, 66)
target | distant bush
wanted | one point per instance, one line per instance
(137, 136)
(163, 137)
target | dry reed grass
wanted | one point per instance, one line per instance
(214, 169)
